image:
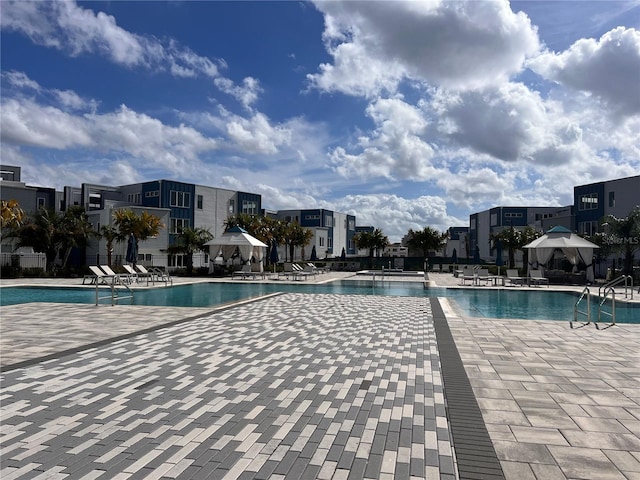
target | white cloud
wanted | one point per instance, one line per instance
(395, 148)
(255, 134)
(246, 94)
(395, 215)
(608, 69)
(460, 44)
(76, 30)
(27, 123)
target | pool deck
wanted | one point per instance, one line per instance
(312, 386)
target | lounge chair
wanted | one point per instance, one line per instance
(131, 272)
(161, 275)
(536, 278)
(144, 273)
(122, 277)
(469, 274)
(301, 273)
(482, 275)
(245, 272)
(101, 277)
(514, 278)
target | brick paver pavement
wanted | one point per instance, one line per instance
(294, 386)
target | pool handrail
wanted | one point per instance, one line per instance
(577, 312)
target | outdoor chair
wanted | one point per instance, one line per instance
(514, 278)
(536, 278)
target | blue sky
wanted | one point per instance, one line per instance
(406, 114)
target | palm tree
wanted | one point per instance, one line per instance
(296, 236)
(623, 235)
(426, 240)
(11, 215)
(56, 234)
(188, 242)
(513, 240)
(373, 241)
(142, 226)
(111, 235)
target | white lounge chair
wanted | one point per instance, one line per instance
(244, 272)
(514, 278)
(536, 278)
(131, 272)
(101, 277)
(122, 278)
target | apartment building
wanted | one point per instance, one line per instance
(597, 200)
(332, 231)
(591, 203)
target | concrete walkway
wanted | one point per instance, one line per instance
(308, 386)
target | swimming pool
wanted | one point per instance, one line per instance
(492, 303)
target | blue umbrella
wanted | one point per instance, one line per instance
(273, 256)
(476, 255)
(132, 250)
(499, 261)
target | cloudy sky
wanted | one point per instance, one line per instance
(404, 114)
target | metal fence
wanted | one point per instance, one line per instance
(24, 260)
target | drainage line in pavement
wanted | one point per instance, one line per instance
(475, 456)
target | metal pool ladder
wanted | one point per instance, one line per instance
(612, 314)
(577, 312)
(114, 293)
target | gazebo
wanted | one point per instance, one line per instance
(237, 239)
(574, 247)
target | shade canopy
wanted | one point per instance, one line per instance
(573, 246)
(237, 239)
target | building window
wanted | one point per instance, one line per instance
(589, 201)
(135, 198)
(513, 215)
(180, 199)
(152, 193)
(352, 225)
(312, 217)
(232, 207)
(328, 221)
(588, 228)
(200, 202)
(41, 203)
(178, 225)
(612, 199)
(321, 241)
(249, 207)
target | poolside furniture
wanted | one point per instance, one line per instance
(101, 277)
(131, 272)
(482, 275)
(122, 278)
(301, 273)
(536, 278)
(468, 274)
(244, 272)
(514, 278)
(144, 273)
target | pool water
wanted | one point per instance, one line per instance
(492, 303)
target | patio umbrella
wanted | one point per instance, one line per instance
(314, 254)
(132, 250)
(273, 255)
(454, 256)
(499, 261)
(343, 255)
(476, 255)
